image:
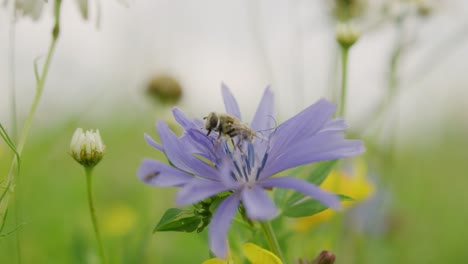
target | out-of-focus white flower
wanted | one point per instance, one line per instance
(87, 147)
(34, 8)
(347, 35)
(31, 8)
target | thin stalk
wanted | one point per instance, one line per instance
(14, 121)
(37, 97)
(344, 80)
(338, 224)
(271, 240)
(332, 80)
(40, 82)
(40, 87)
(92, 211)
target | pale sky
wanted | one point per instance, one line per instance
(246, 44)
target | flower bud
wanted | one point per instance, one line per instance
(325, 257)
(165, 89)
(87, 147)
(347, 35)
(424, 8)
(345, 10)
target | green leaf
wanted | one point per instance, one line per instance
(175, 219)
(280, 196)
(186, 224)
(320, 173)
(317, 176)
(309, 207)
(9, 142)
(3, 220)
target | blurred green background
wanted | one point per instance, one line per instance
(428, 211)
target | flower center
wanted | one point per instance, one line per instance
(244, 165)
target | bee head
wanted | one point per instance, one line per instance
(211, 121)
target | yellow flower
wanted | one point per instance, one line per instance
(356, 186)
(218, 261)
(254, 253)
(119, 220)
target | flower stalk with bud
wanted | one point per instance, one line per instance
(346, 36)
(87, 148)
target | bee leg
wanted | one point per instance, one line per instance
(239, 146)
(233, 144)
(219, 135)
(209, 131)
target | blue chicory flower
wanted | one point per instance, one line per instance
(310, 136)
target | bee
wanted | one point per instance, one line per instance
(230, 126)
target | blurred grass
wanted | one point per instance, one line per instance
(57, 227)
(428, 184)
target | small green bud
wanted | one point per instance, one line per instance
(424, 8)
(345, 10)
(347, 35)
(164, 89)
(87, 147)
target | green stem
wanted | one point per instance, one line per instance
(40, 87)
(14, 124)
(37, 97)
(14, 167)
(271, 240)
(93, 213)
(344, 80)
(341, 112)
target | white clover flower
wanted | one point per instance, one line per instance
(347, 35)
(87, 147)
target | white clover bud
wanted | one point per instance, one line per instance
(347, 35)
(87, 147)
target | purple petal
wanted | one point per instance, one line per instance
(183, 119)
(177, 153)
(257, 204)
(202, 142)
(220, 224)
(199, 122)
(225, 174)
(264, 119)
(301, 126)
(323, 146)
(156, 173)
(195, 147)
(337, 124)
(230, 102)
(307, 188)
(199, 189)
(153, 143)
